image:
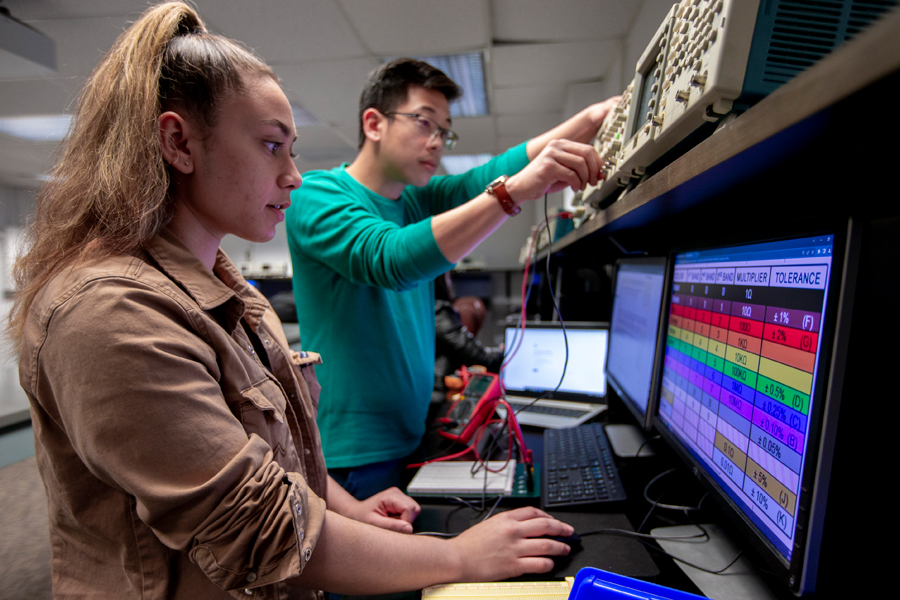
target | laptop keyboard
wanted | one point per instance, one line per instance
(579, 468)
(548, 410)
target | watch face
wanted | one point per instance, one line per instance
(498, 181)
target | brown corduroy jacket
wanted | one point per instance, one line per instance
(175, 431)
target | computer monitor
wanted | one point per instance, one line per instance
(541, 352)
(635, 334)
(745, 387)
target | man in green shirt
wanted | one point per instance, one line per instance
(367, 240)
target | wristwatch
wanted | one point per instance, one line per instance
(497, 189)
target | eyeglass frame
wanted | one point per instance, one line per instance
(451, 137)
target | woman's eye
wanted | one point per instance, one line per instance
(273, 146)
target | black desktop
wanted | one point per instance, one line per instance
(634, 348)
(748, 396)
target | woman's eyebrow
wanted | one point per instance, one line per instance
(280, 125)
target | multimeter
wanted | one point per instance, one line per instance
(474, 408)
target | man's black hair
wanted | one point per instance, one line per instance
(387, 86)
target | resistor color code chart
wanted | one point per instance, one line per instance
(741, 357)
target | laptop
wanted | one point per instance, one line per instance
(537, 366)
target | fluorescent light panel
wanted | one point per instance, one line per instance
(304, 118)
(456, 164)
(38, 128)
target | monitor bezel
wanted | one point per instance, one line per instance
(801, 572)
(645, 420)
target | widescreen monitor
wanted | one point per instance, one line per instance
(635, 332)
(744, 386)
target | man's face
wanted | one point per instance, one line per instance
(410, 154)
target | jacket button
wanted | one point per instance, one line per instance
(251, 577)
(248, 592)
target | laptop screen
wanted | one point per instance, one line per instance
(538, 364)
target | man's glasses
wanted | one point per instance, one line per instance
(426, 126)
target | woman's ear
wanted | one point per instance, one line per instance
(174, 133)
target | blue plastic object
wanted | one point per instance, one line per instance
(596, 584)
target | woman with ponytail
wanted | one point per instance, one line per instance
(174, 428)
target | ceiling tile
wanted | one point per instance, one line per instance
(561, 20)
(349, 130)
(38, 96)
(81, 43)
(582, 95)
(538, 99)
(508, 141)
(321, 137)
(322, 145)
(522, 65)
(476, 135)
(34, 10)
(330, 90)
(24, 162)
(528, 125)
(285, 31)
(420, 27)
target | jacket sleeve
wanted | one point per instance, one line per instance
(458, 344)
(138, 393)
(329, 224)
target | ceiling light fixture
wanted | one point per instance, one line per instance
(454, 165)
(467, 70)
(304, 118)
(38, 128)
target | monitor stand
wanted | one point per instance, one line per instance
(739, 582)
(627, 439)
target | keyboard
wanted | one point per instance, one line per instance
(549, 410)
(578, 468)
(552, 414)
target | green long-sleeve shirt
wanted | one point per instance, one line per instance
(363, 268)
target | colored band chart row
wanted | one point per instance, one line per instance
(740, 361)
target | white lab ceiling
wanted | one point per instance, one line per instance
(541, 57)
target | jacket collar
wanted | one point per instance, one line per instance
(223, 286)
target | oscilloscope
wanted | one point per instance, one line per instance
(709, 59)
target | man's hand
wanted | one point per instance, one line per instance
(597, 112)
(562, 163)
(509, 544)
(390, 509)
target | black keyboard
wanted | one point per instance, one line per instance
(578, 468)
